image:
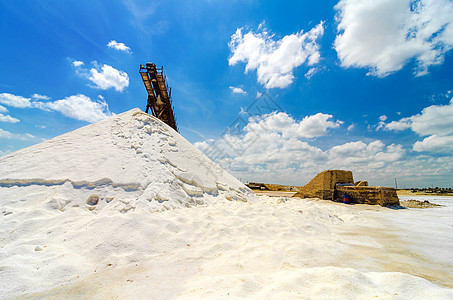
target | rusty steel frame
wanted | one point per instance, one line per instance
(159, 94)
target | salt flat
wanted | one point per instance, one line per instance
(169, 223)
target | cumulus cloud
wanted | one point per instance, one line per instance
(8, 119)
(267, 149)
(283, 124)
(238, 90)
(435, 143)
(119, 46)
(381, 123)
(275, 60)
(385, 35)
(374, 154)
(435, 122)
(3, 109)
(109, 77)
(81, 107)
(14, 101)
(77, 63)
(404, 123)
(277, 148)
(104, 77)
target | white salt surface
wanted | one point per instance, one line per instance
(169, 223)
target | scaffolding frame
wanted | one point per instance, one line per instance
(159, 94)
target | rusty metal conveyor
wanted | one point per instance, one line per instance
(159, 99)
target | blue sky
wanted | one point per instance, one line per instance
(358, 85)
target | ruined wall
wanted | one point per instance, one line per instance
(373, 195)
(323, 185)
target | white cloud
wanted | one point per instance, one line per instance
(40, 97)
(374, 154)
(104, 77)
(109, 77)
(4, 134)
(311, 72)
(402, 124)
(315, 125)
(272, 148)
(77, 63)
(14, 101)
(434, 119)
(436, 122)
(272, 153)
(309, 127)
(8, 119)
(3, 109)
(385, 35)
(81, 107)
(435, 143)
(275, 60)
(78, 107)
(238, 90)
(381, 123)
(351, 127)
(119, 46)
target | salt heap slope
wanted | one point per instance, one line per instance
(130, 161)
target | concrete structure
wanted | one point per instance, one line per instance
(334, 184)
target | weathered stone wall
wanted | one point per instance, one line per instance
(323, 186)
(373, 195)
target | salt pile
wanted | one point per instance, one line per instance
(128, 209)
(131, 161)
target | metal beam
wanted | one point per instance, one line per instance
(159, 100)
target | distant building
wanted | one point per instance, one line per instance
(334, 184)
(256, 186)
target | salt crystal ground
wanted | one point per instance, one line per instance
(169, 223)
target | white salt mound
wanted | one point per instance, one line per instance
(130, 161)
(128, 209)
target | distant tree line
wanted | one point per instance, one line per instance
(436, 190)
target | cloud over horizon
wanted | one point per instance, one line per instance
(435, 122)
(276, 148)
